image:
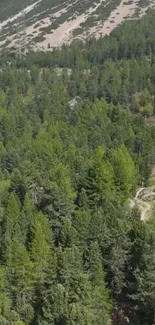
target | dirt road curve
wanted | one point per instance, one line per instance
(139, 200)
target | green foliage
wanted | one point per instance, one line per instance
(100, 177)
(40, 247)
(125, 171)
(74, 145)
(21, 278)
(5, 302)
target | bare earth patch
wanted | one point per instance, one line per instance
(144, 199)
(62, 31)
(63, 34)
(123, 11)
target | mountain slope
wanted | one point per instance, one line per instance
(48, 24)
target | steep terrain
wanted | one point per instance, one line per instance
(144, 199)
(47, 24)
(77, 139)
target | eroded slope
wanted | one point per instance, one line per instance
(46, 24)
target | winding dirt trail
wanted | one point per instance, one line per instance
(144, 207)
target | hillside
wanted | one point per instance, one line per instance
(46, 24)
(77, 176)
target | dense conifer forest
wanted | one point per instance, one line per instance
(77, 138)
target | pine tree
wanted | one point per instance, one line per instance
(21, 278)
(100, 293)
(125, 172)
(11, 225)
(40, 247)
(27, 219)
(100, 182)
(5, 301)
